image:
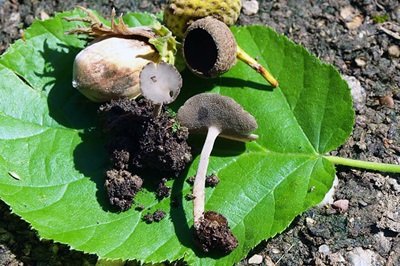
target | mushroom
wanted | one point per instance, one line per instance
(160, 83)
(210, 49)
(218, 116)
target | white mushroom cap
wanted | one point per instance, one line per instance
(160, 83)
(204, 110)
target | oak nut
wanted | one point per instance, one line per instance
(209, 47)
(110, 68)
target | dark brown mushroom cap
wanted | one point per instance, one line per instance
(209, 109)
(209, 47)
(160, 83)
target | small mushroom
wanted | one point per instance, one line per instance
(216, 115)
(160, 83)
(210, 49)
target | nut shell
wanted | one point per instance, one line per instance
(209, 47)
(179, 14)
(110, 69)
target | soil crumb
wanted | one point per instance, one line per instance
(157, 216)
(211, 180)
(189, 197)
(162, 190)
(121, 187)
(139, 140)
(214, 234)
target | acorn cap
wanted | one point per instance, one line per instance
(208, 109)
(209, 47)
(160, 83)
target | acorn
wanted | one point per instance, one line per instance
(210, 49)
(109, 68)
(179, 14)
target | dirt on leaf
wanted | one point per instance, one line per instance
(214, 234)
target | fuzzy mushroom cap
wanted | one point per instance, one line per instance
(208, 109)
(160, 83)
(209, 47)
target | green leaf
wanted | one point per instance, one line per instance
(47, 138)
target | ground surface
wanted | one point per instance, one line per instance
(342, 32)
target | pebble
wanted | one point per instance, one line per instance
(310, 221)
(250, 7)
(387, 101)
(360, 62)
(394, 184)
(324, 249)
(382, 243)
(256, 259)
(275, 251)
(357, 92)
(268, 261)
(394, 50)
(361, 257)
(352, 17)
(341, 205)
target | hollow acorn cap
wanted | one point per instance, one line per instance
(208, 109)
(209, 47)
(160, 83)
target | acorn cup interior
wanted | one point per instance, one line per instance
(201, 53)
(209, 47)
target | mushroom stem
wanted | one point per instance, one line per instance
(246, 58)
(200, 180)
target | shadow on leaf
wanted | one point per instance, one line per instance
(66, 105)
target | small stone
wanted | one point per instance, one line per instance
(250, 7)
(341, 205)
(387, 101)
(275, 251)
(268, 261)
(360, 62)
(394, 51)
(393, 183)
(382, 244)
(324, 249)
(310, 221)
(347, 12)
(352, 17)
(357, 92)
(256, 259)
(361, 257)
(355, 22)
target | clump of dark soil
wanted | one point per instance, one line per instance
(214, 233)
(121, 187)
(211, 180)
(162, 190)
(139, 141)
(157, 216)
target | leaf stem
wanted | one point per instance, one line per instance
(382, 167)
(246, 58)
